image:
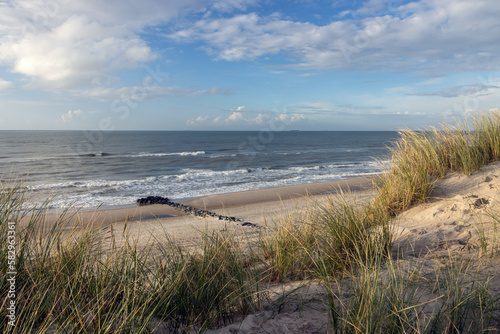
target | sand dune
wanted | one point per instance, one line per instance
(450, 223)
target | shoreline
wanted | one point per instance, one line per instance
(261, 197)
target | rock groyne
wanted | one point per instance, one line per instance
(150, 200)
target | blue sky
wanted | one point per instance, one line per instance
(246, 64)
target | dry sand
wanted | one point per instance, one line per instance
(459, 212)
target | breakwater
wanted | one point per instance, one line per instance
(150, 200)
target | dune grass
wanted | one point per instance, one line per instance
(394, 296)
(324, 240)
(420, 158)
(343, 238)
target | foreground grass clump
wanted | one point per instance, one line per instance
(325, 240)
(77, 282)
(207, 289)
(395, 296)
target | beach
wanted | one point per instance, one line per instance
(261, 207)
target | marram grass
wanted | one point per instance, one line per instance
(345, 239)
(325, 240)
(420, 158)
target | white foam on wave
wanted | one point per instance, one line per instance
(191, 183)
(147, 154)
(193, 173)
(77, 184)
(100, 183)
(90, 201)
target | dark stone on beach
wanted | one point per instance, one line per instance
(480, 203)
(150, 200)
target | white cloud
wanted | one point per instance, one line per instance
(248, 36)
(197, 120)
(319, 109)
(290, 118)
(295, 118)
(235, 117)
(71, 114)
(427, 36)
(63, 44)
(308, 74)
(75, 53)
(218, 120)
(238, 120)
(136, 15)
(464, 90)
(259, 120)
(240, 108)
(4, 84)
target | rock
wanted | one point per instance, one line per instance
(150, 200)
(480, 203)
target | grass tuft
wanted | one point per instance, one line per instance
(327, 239)
(79, 282)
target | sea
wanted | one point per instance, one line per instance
(88, 169)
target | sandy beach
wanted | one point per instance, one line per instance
(260, 207)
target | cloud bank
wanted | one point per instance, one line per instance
(425, 36)
(69, 43)
(238, 119)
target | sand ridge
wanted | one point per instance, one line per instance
(459, 211)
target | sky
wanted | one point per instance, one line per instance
(246, 64)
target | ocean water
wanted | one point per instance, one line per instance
(92, 168)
